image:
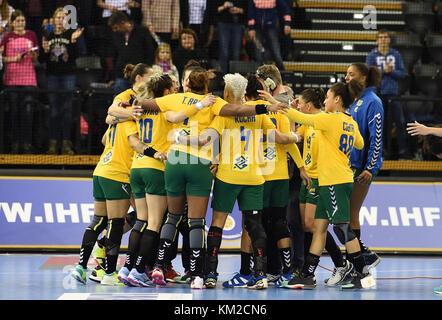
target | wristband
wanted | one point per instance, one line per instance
(199, 105)
(261, 108)
(149, 151)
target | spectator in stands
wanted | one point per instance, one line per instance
(130, 44)
(263, 30)
(187, 49)
(195, 15)
(163, 61)
(162, 18)
(230, 22)
(59, 53)
(20, 51)
(111, 6)
(5, 15)
(389, 61)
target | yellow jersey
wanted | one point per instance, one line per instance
(310, 150)
(153, 129)
(337, 135)
(125, 95)
(194, 125)
(116, 159)
(241, 148)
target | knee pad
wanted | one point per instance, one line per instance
(114, 235)
(139, 225)
(196, 232)
(169, 229)
(98, 224)
(131, 218)
(344, 232)
(279, 224)
(253, 225)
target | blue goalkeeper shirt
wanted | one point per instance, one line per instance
(389, 82)
(368, 112)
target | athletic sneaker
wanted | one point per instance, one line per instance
(171, 274)
(138, 279)
(438, 290)
(158, 277)
(341, 275)
(111, 279)
(211, 280)
(301, 281)
(97, 274)
(258, 283)
(272, 279)
(197, 283)
(123, 274)
(238, 281)
(79, 274)
(360, 281)
(371, 259)
(284, 279)
(186, 278)
(99, 254)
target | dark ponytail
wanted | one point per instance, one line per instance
(314, 95)
(372, 74)
(132, 71)
(347, 91)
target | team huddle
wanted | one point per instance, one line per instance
(165, 153)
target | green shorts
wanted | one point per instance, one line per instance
(107, 189)
(191, 177)
(226, 194)
(276, 193)
(357, 172)
(334, 203)
(309, 196)
(147, 180)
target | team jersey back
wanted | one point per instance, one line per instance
(125, 95)
(310, 150)
(194, 125)
(338, 133)
(116, 159)
(153, 130)
(275, 165)
(241, 148)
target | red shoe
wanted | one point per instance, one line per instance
(171, 274)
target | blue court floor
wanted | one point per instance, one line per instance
(47, 277)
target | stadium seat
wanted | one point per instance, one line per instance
(418, 16)
(243, 67)
(428, 80)
(404, 85)
(409, 46)
(86, 76)
(293, 80)
(434, 45)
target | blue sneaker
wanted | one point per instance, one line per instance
(284, 279)
(79, 274)
(138, 279)
(123, 274)
(238, 281)
(258, 283)
(210, 280)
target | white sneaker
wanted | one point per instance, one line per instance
(197, 283)
(341, 275)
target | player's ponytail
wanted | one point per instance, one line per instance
(373, 74)
(132, 71)
(314, 95)
(347, 91)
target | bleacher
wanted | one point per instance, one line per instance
(337, 34)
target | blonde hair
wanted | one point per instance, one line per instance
(163, 46)
(236, 84)
(271, 71)
(154, 86)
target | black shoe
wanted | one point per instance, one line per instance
(301, 281)
(360, 281)
(371, 259)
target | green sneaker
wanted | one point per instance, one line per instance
(438, 290)
(99, 254)
(79, 274)
(111, 279)
(97, 274)
(185, 279)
